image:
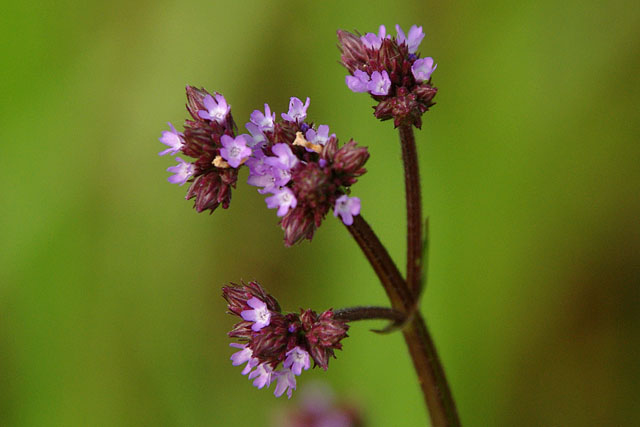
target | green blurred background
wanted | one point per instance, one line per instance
(110, 308)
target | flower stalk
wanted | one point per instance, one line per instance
(431, 376)
(414, 207)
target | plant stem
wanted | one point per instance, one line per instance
(414, 207)
(351, 314)
(437, 395)
(381, 262)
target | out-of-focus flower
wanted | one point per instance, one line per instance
(319, 407)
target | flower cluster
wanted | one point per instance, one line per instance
(277, 347)
(301, 167)
(303, 170)
(391, 70)
(209, 137)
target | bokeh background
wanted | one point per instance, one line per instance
(110, 308)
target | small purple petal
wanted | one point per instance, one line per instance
(264, 374)
(286, 381)
(414, 38)
(297, 360)
(320, 137)
(422, 69)
(400, 38)
(371, 41)
(173, 139)
(258, 138)
(244, 355)
(283, 199)
(260, 315)
(358, 82)
(216, 110)
(380, 83)
(285, 158)
(182, 172)
(382, 32)
(347, 208)
(297, 112)
(263, 121)
(235, 151)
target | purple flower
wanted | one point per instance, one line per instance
(182, 172)
(173, 139)
(263, 375)
(216, 110)
(380, 83)
(263, 121)
(285, 158)
(297, 111)
(286, 380)
(260, 315)
(347, 208)
(297, 359)
(413, 40)
(373, 41)
(422, 69)
(235, 151)
(320, 137)
(283, 199)
(244, 355)
(358, 82)
(255, 163)
(258, 139)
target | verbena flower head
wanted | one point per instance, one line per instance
(304, 170)
(299, 166)
(210, 138)
(391, 70)
(277, 346)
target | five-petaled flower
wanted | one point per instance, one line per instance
(235, 151)
(260, 315)
(216, 109)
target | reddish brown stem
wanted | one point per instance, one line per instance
(352, 314)
(414, 207)
(437, 395)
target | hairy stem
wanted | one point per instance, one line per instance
(414, 207)
(437, 395)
